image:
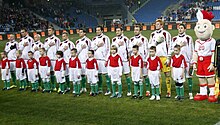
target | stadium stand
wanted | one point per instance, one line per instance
(64, 14)
(148, 13)
(188, 9)
(13, 19)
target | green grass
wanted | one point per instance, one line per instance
(37, 108)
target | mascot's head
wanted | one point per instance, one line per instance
(204, 27)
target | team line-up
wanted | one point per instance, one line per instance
(88, 61)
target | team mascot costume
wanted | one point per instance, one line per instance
(204, 56)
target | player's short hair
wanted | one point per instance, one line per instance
(25, 29)
(43, 49)
(121, 28)
(136, 47)
(51, 27)
(66, 33)
(102, 29)
(177, 46)
(74, 49)
(92, 51)
(60, 53)
(183, 25)
(153, 48)
(160, 21)
(19, 51)
(4, 53)
(113, 47)
(30, 52)
(138, 25)
(83, 29)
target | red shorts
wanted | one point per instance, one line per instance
(203, 64)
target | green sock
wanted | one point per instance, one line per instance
(67, 81)
(135, 88)
(177, 90)
(83, 82)
(36, 85)
(24, 83)
(13, 76)
(182, 91)
(96, 88)
(53, 79)
(78, 87)
(141, 88)
(19, 83)
(147, 84)
(113, 88)
(157, 91)
(62, 87)
(108, 82)
(8, 83)
(153, 90)
(5, 84)
(120, 89)
(128, 81)
(45, 85)
(32, 86)
(75, 87)
(100, 82)
(48, 86)
(190, 84)
(92, 88)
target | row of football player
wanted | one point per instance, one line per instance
(101, 46)
(114, 65)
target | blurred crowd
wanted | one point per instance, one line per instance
(188, 10)
(56, 12)
(14, 18)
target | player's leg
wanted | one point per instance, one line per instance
(189, 80)
(141, 89)
(211, 86)
(119, 88)
(126, 71)
(152, 80)
(153, 95)
(113, 90)
(53, 81)
(110, 73)
(168, 84)
(108, 84)
(128, 81)
(135, 90)
(157, 87)
(13, 74)
(203, 90)
(146, 81)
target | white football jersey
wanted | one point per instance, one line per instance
(51, 50)
(37, 45)
(83, 53)
(11, 47)
(25, 49)
(167, 39)
(101, 53)
(66, 53)
(124, 49)
(187, 49)
(143, 48)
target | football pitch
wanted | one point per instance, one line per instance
(44, 109)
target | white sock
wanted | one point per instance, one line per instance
(211, 91)
(203, 90)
